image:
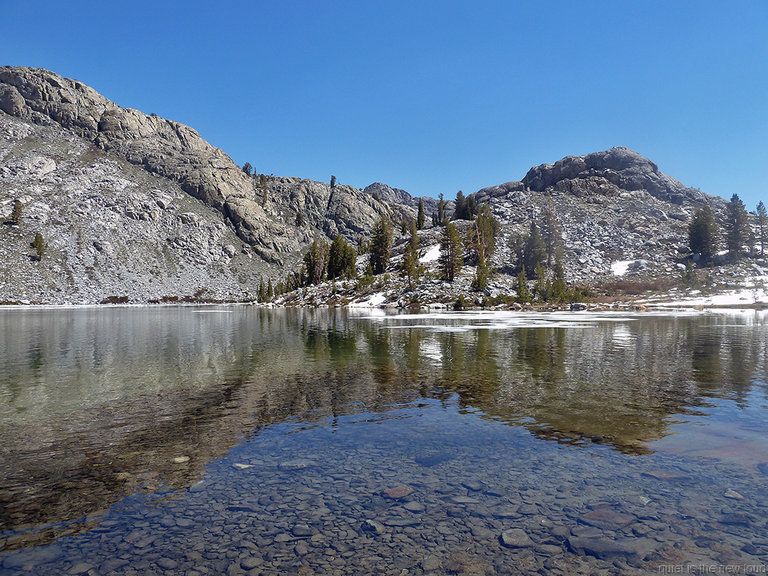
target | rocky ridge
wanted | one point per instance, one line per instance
(177, 152)
(139, 208)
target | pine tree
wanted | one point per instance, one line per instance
(333, 182)
(381, 242)
(247, 168)
(421, 217)
(341, 259)
(40, 246)
(523, 294)
(411, 267)
(737, 227)
(451, 252)
(482, 240)
(262, 294)
(471, 206)
(761, 223)
(438, 218)
(553, 238)
(16, 214)
(316, 262)
(702, 233)
(534, 251)
(270, 291)
(460, 212)
(299, 218)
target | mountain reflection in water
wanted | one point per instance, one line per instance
(97, 404)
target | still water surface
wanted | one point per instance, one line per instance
(238, 440)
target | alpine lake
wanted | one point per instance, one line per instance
(212, 440)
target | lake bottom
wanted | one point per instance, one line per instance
(427, 487)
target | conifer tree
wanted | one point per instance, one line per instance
(262, 294)
(702, 233)
(761, 223)
(40, 246)
(316, 262)
(553, 238)
(451, 252)
(411, 267)
(333, 182)
(247, 168)
(16, 213)
(523, 294)
(421, 217)
(299, 218)
(737, 227)
(534, 251)
(381, 242)
(460, 211)
(438, 218)
(341, 259)
(482, 241)
(270, 291)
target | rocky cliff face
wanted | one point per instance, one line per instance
(178, 153)
(141, 208)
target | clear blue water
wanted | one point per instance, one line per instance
(238, 440)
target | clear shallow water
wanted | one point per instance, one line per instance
(245, 441)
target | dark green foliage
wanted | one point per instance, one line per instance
(438, 218)
(403, 227)
(247, 168)
(459, 304)
(411, 267)
(534, 250)
(761, 223)
(299, 218)
(451, 252)
(702, 233)
(40, 246)
(523, 293)
(482, 241)
(471, 206)
(737, 227)
(482, 274)
(262, 293)
(381, 242)
(16, 214)
(315, 262)
(421, 217)
(553, 238)
(270, 291)
(341, 259)
(333, 181)
(461, 212)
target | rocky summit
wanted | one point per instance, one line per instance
(137, 208)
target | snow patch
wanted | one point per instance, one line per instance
(620, 267)
(431, 255)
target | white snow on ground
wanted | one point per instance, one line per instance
(620, 267)
(755, 293)
(432, 254)
(374, 301)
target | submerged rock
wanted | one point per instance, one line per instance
(516, 538)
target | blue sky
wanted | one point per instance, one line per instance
(429, 96)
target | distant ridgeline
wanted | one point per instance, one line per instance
(107, 204)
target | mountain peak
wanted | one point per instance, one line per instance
(605, 172)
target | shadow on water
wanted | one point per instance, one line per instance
(96, 405)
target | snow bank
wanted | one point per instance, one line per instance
(431, 255)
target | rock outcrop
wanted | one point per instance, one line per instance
(607, 173)
(177, 152)
(138, 208)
